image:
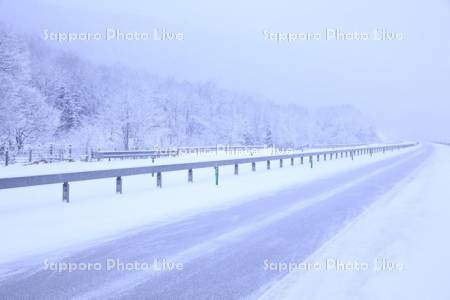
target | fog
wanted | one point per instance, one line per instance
(401, 84)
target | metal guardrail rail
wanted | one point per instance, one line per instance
(99, 155)
(156, 153)
(133, 154)
(65, 178)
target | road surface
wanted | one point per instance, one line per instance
(220, 253)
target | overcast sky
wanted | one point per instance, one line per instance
(402, 84)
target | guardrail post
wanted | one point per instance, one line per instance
(236, 169)
(253, 166)
(281, 163)
(337, 156)
(324, 157)
(70, 152)
(216, 173)
(268, 165)
(190, 176)
(311, 161)
(342, 154)
(119, 185)
(292, 161)
(301, 160)
(351, 154)
(331, 156)
(158, 180)
(6, 157)
(318, 157)
(30, 155)
(65, 192)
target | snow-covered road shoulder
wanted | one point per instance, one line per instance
(397, 249)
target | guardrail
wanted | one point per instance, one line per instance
(66, 178)
(133, 154)
(156, 153)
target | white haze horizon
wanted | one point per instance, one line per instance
(400, 84)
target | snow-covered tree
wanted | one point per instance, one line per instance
(47, 94)
(24, 114)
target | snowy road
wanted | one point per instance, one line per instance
(222, 252)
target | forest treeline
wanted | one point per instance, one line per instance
(50, 96)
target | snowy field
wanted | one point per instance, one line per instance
(38, 223)
(403, 238)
